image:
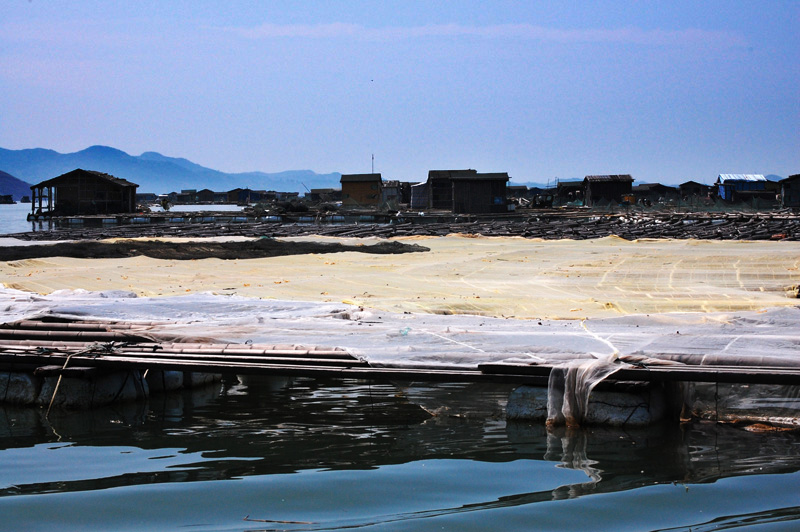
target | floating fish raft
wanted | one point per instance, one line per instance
(82, 364)
(576, 224)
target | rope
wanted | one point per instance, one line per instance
(8, 385)
(98, 350)
(58, 383)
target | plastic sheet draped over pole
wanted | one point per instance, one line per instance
(570, 385)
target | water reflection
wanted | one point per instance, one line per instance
(728, 522)
(233, 431)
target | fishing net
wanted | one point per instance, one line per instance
(503, 277)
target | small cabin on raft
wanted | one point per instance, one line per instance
(83, 192)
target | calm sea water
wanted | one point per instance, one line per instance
(342, 455)
(13, 218)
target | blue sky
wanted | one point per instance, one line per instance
(665, 91)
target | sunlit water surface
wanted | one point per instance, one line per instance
(14, 217)
(342, 455)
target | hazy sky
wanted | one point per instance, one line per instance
(665, 91)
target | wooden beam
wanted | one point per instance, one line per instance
(676, 373)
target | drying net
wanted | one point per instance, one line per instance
(589, 306)
(504, 277)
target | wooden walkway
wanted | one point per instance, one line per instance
(60, 347)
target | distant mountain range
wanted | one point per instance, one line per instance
(157, 173)
(152, 171)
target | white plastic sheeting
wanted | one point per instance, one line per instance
(770, 337)
(586, 350)
(570, 385)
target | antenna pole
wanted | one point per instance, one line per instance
(373, 163)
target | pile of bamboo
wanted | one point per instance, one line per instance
(30, 344)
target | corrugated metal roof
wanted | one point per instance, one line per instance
(116, 180)
(612, 177)
(653, 186)
(493, 176)
(449, 174)
(740, 177)
(353, 178)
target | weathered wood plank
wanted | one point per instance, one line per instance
(676, 373)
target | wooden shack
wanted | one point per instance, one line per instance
(205, 196)
(243, 196)
(480, 193)
(146, 197)
(517, 191)
(729, 184)
(440, 187)
(569, 191)
(278, 195)
(405, 192)
(654, 192)
(391, 193)
(324, 194)
(599, 189)
(83, 192)
(420, 198)
(691, 189)
(790, 191)
(361, 189)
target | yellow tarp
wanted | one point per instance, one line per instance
(510, 277)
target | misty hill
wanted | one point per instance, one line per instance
(154, 172)
(11, 185)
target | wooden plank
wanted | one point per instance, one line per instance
(252, 368)
(676, 373)
(257, 357)
(146, 361)
(85, 325)
(75, 372)
(223, 354)
(70, 335)
(288, 353)
(70, 326)
(353, 368)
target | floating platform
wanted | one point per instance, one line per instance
(576, 224)
(96, 363)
